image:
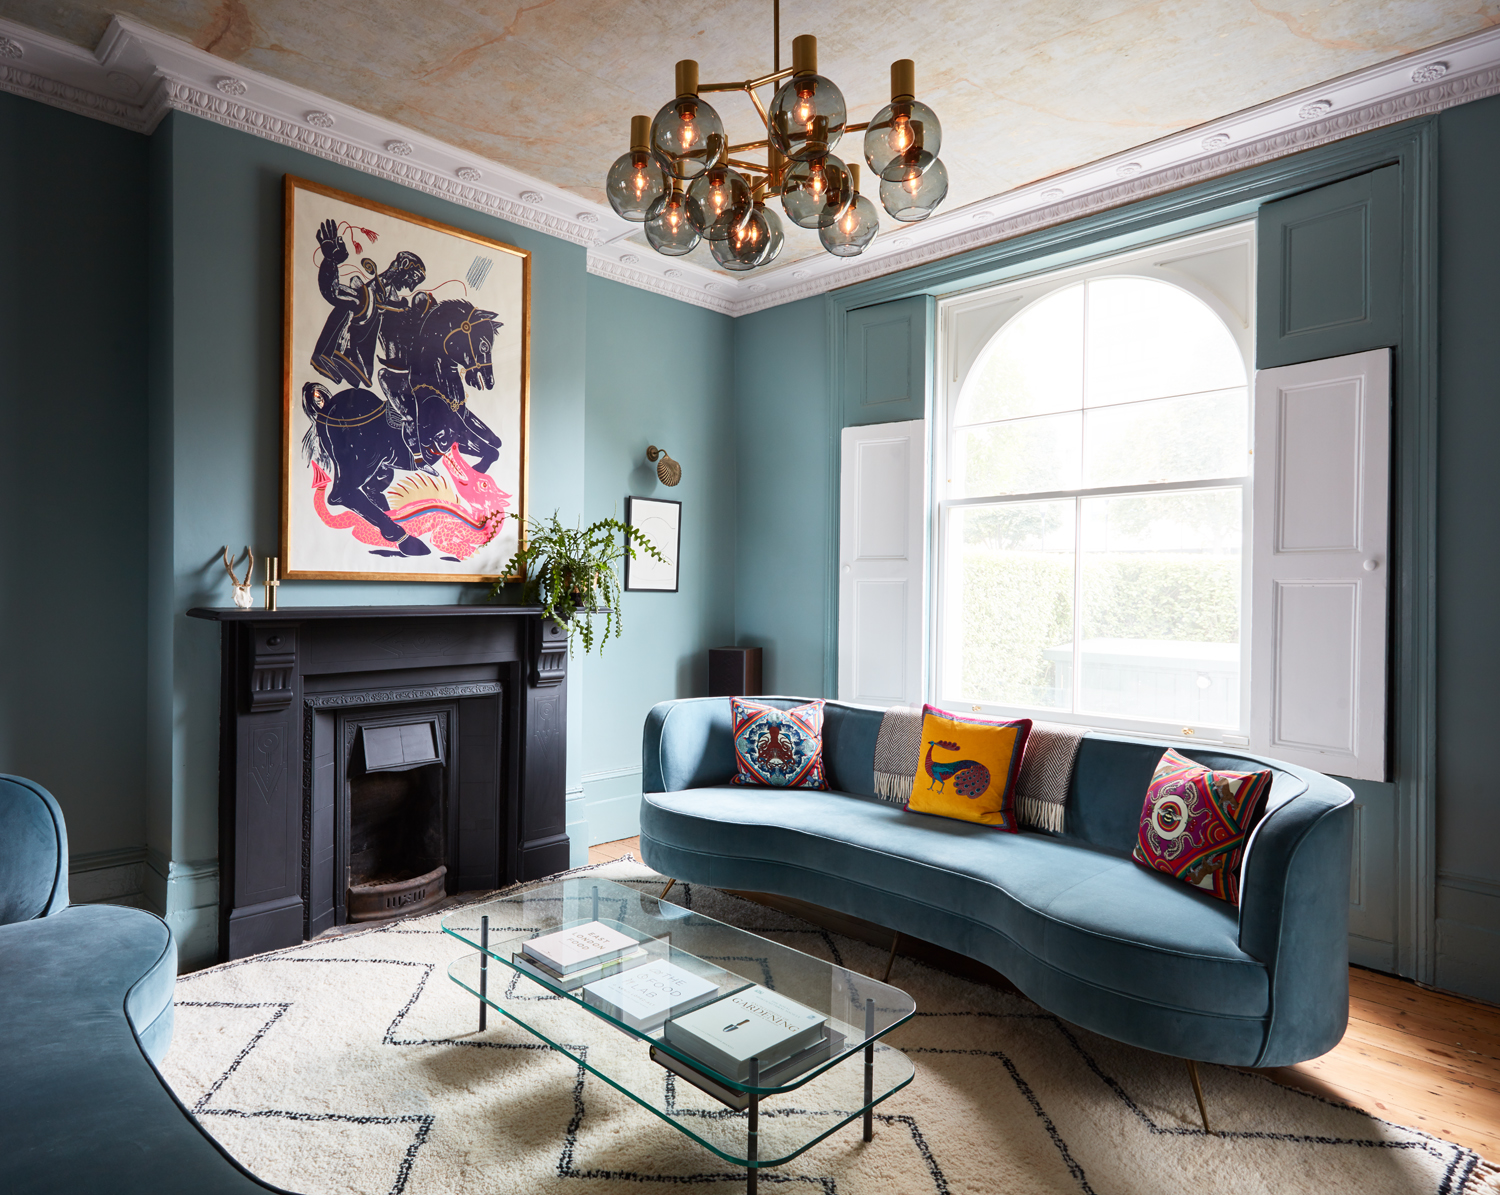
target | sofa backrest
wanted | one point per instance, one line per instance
(33, 852)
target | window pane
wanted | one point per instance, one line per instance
(1033, 367)
(1022, 456)
(1167, 439)
(1009, 604)
(1161, 606)
(1149, 339)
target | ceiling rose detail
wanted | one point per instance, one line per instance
(671, 273)
(10, 49)
(1053, 193)
(535, 198)
(686, 184)
(1430, 73)
(468, 174)
(587, 218)
(125, 84)
(628, 259)
(320, 120)
(230, 86)
(402, 149)
(1128, 169)
(1315, 109)
(1216, 140)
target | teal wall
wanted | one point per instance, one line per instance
(72, 407)
(686, 407)
(783, 563)
(1468, 579)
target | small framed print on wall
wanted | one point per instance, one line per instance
(406, 394)
(660, 520)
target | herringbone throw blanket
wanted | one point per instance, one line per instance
(898, 752)
(1041, 789)
(1046, 773)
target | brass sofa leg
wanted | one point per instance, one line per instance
(667, 889)
(891, 961)
(1198, 1091)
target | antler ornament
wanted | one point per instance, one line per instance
(242, 596)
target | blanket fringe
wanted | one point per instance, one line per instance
(1042, 815)
(893, 788)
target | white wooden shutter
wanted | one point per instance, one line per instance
(1318, 606)
(882, 492)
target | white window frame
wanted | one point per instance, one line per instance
(959, 352)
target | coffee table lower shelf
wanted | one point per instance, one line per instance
(772, 1131)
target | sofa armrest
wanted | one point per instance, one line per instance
(687, 744)
(1294, 915)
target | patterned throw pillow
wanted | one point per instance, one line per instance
(781, 748)
(1195, 822)
(969, 768)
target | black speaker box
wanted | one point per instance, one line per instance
(734, 672)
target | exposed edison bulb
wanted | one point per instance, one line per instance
(904, 134)
(806, 117)
(855, 226)
(744, 247)
(634, 183)
(915, 198)
(813, 193)
(673, 223)
(686, 137)
(722, 196)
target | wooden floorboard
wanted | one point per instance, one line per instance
(1426, 1059)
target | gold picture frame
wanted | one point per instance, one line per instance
(406, 397)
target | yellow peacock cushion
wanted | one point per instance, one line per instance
(969, 768)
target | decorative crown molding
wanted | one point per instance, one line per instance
(136, 75)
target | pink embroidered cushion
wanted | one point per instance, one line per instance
(1195, 823)
(780, 748)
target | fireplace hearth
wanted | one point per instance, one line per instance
(375, 759)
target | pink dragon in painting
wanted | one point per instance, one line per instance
(458, 516)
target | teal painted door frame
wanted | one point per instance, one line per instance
(1412, 146)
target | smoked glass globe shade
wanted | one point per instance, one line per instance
(672, 224)
(815, 192)
(723, 197)
(633, 184)
(916, 198)
(852, 232)
(744, 245)
(904, 136)
(807, 117)
(777, 235)
(687, 137)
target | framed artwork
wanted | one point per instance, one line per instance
(661, 521)
(407, 394)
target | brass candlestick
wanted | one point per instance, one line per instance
(273, 581)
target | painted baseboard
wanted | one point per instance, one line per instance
(578, 828)
(612, 804)
(1468, 947)
(108, 877)
(186, 895)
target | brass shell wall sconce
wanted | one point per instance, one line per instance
(667, 469)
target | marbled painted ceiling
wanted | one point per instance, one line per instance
(1025, 89)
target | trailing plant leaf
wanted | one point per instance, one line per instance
(573, 573)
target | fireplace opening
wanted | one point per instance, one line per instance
(397, 778)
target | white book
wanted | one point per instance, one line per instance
(645, 996)
(579, 946)
(539, 970)
(756, 1023)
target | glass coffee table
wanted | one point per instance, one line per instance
(722, 1113)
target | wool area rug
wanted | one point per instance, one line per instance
(354, 1066)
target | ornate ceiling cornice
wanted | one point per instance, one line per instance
(136, 75)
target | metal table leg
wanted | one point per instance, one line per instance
(869, 1068)
(752, 1151)
(484, 970)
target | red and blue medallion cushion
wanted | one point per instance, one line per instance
(1195, 822)
(779, 748)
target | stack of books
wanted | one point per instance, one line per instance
(581, 954)
(647, 996)
(783, 1038)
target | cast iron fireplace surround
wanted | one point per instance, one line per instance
(491, 679)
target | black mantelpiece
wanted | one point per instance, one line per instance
(501, 671)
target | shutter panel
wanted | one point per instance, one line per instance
(887, 360)
(1329, 271)
(1318, 607)
(882, 499)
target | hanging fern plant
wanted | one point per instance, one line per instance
(574, 574)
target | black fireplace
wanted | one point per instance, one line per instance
(375, 759)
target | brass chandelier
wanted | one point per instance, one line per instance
(686, 184)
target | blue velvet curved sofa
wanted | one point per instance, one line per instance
(1069, 919)
(85, 1013)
